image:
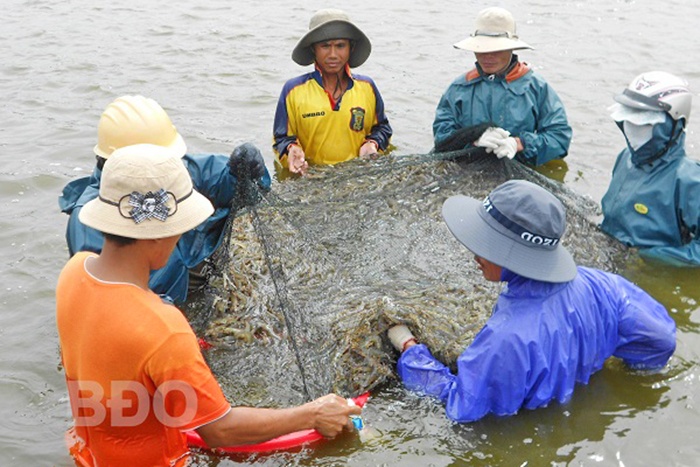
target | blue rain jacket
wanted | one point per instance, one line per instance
(210, 176)
(541, 340)
(521, 102)
(656, 206)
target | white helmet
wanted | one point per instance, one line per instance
(658, 91)
(136, 120)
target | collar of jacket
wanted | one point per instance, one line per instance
(515, 71)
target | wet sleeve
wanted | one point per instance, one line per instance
(646, 332)
(491, 378)
(552, 136)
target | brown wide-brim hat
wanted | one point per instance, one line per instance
(329, 24)
(495, 31)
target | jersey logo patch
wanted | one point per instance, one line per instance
(641, 208)
(357, 118)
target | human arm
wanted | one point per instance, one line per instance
(686, 229)
(212, 177)
(448, 122)
(329, 415)
(491, 376)
(381, 131)
(646, 332)
(286, 145)
(551, 136)
(76, 193)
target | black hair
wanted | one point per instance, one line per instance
(119, 240)
(100, 162)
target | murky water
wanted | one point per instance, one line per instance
(218, 67)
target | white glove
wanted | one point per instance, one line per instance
(492, 138)
(399, 335)
(506, 148)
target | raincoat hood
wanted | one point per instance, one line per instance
(665, 135)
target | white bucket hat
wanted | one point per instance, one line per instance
(495, 31)
(328, 24)
(518, 226)
(146, 193)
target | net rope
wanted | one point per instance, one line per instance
(312, 273)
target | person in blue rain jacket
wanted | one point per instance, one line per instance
(552, 327)
(652, 201)
(529, 119)
(136, 119)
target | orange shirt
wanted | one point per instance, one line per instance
(136, 377)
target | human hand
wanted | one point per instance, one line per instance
(332, 414)
(296, 160)
(492, 138)
(506, 148)
(369, 150)
(246, 159)
(401, 337)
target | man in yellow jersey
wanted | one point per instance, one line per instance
(329, 115)
(135, 375)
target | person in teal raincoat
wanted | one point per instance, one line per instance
(130, 120)
(528, 117)
(652, 202)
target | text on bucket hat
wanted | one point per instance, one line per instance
(518, 226)
(146, 193)
(495, 31)
(329, 24)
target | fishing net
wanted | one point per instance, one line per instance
(312, 275)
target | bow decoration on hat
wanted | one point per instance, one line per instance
(150, 205)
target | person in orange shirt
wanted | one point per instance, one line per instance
(135, 375)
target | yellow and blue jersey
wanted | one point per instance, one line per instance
(329, 132)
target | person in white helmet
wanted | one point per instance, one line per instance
(133, 119)
(528, 117)
(652, 200)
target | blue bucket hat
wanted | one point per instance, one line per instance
(518, 226)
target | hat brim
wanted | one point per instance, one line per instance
(624, 113)
(464, 219)
(486, 44)
(104, 217)
(337, 29)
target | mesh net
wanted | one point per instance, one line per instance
(312, 275)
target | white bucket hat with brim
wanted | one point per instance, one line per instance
(145, 193)
(518, 226)
(495, 31)
(329, 24)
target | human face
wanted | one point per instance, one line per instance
(494, 62)
(332, 55)
(490, 271)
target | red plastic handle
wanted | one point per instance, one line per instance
(283, 442)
